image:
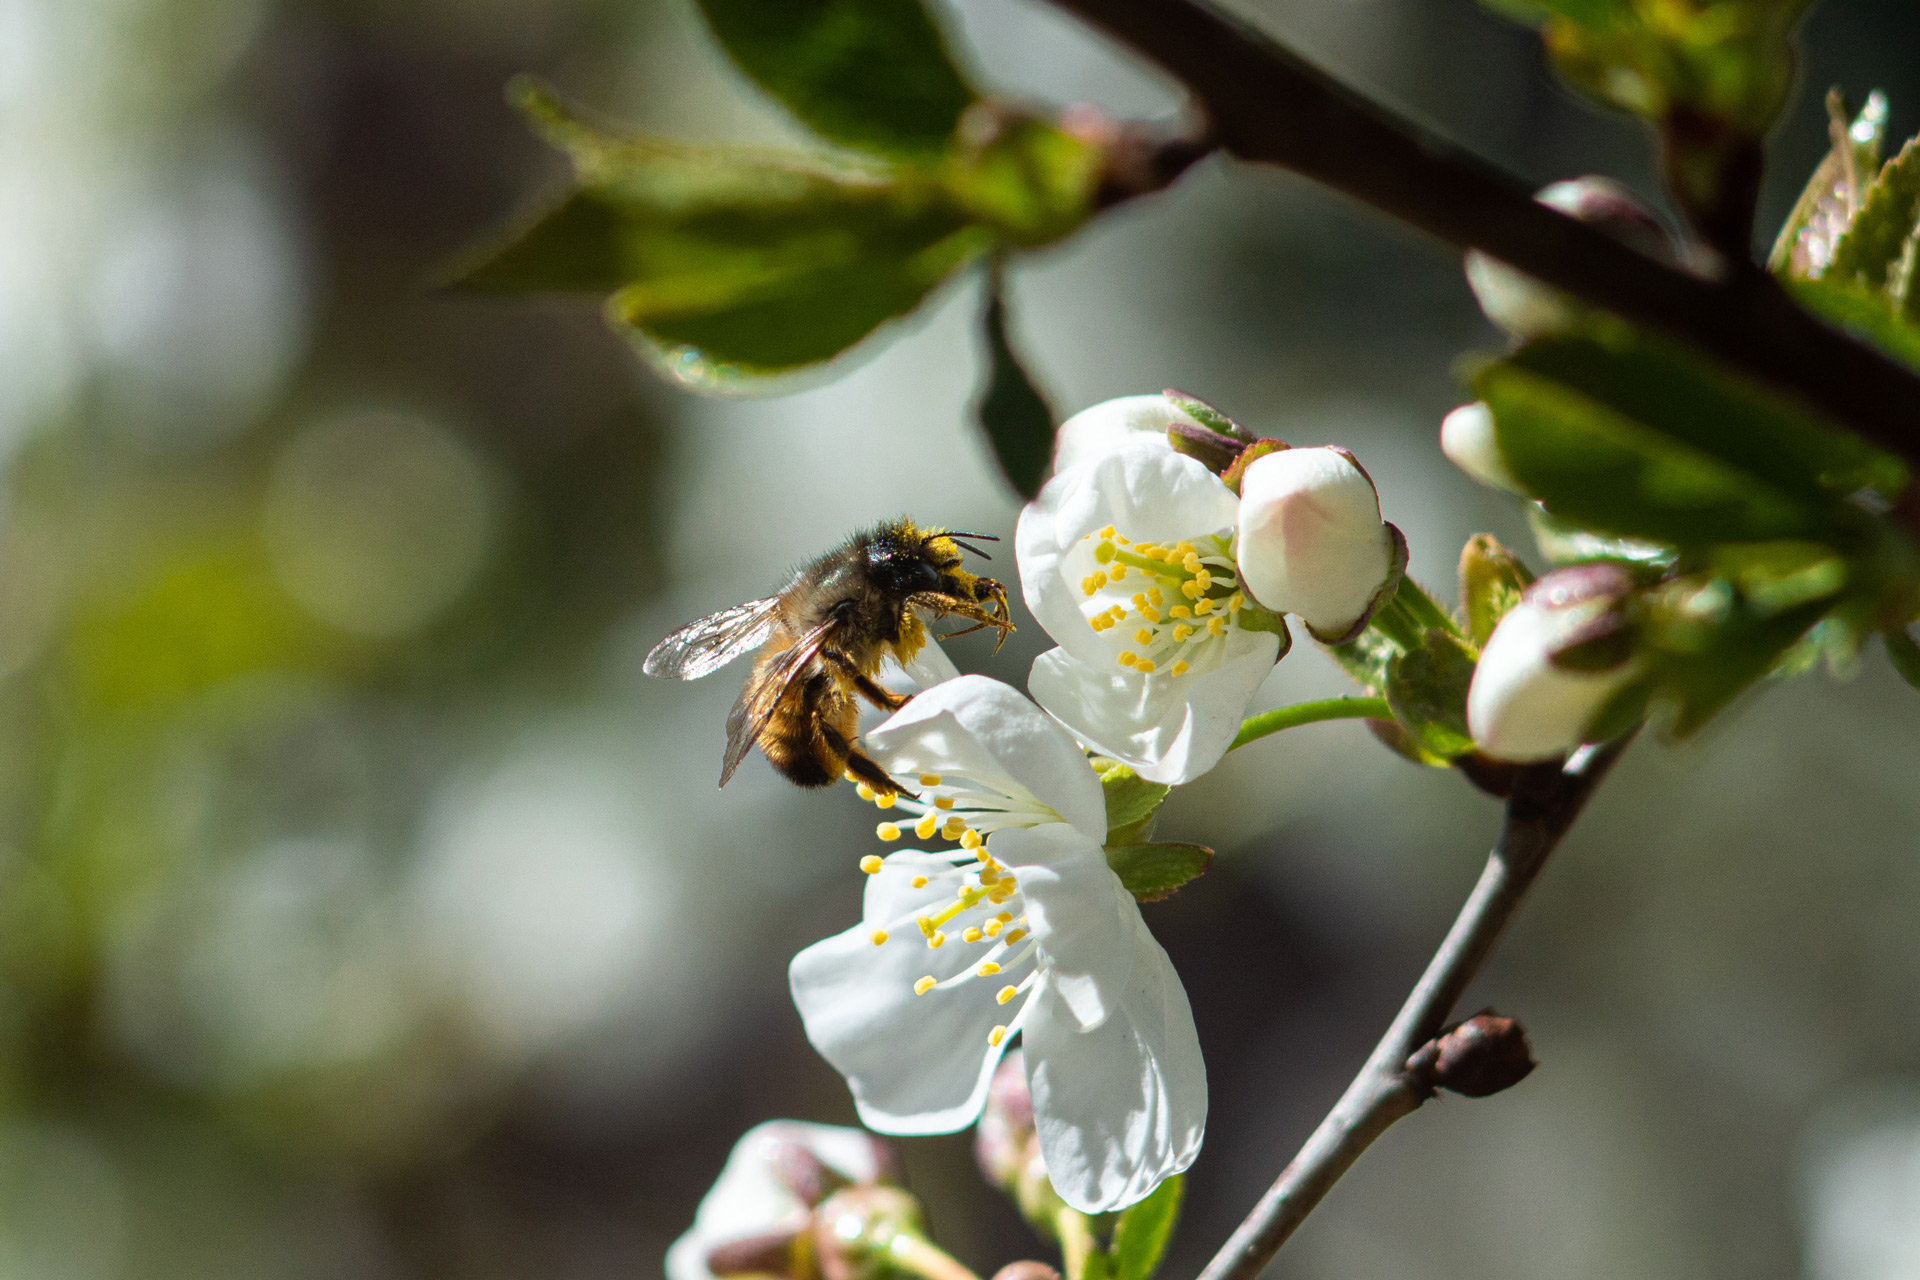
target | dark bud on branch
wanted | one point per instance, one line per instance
(1476, 1058)
(1135, 160)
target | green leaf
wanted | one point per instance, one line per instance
(1874, 244)
(1154, 871)
(1590, 464)
(1904, 654)
(1140, 1236)
(1563, 542)
(871, 74)
(1131, 800)
(1739, 651)
(1867, 316)
(1013, 413)
(1491, 580)
(1427, 689)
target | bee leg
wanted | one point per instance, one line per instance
(870, 689)
(862, 769)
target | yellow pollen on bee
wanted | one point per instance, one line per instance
(1177, 669)
(943, 802)
(1203, 605)
(995, 1036)
(954, 826)
(1005, 994)
(988, 968)
(871, 864)
(929, 779)
(993, 928)
(886, 801)
(925, 827)
(938, 940)
(1180, 611)
(1128, 658)
(1144, 667)
(1143, 636)
(1192, 563)
(864, 791)
(925, 985)
(1216, 625)
(970, 935)
(919, 882)
(888, 831)
(880, 937)
(970, 839)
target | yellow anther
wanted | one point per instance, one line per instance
(1181, 631)
(880, 937)
(871, 864)
(937, 940)
(1127, 658)
(1003, 890)
(995, 1036)
(1005, 994)
(1150, 613)
(1192, 563)
(925, 827)
(1005, 917)
(1177, 669)
(1185, 548)
(1180, 611)
(888, 831)
(970, 935)
(1139, 599)
(887, 801)
(1203, 579)
(1121, 538)
(1117, 572)
(1087, 587)
(1116, 613)
(925, 985)
(1190, 589)
(1014, 935)
(919, 882)
(943, 802)
(1098, 622)
(988, 968)
(1147, 549)
(1107, 532)
(929, 779)
(970, 839)
(1236, 602)
(1216, 625)
(1203, 605)
(954, 825)
(1104, 553)
(1143, 636)
(1144, 667)
(993, 928)
(864, 791)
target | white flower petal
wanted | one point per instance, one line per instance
(1124, 1106)
(1170, 731)
(990, 732)
(1310, 538)
(1471, 443)
(930, 666)
(1520, 706)
(1080, 915)
(1112, 425)
(749, 1199)
(916, 1063)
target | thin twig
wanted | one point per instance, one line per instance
(1255, 727)
(1544, 804)
(1268, 104)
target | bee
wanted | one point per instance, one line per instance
(822, 641)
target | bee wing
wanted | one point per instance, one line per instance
(763, 693)
(707, 644)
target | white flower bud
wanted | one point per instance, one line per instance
(1311, 542)
(1552, 665)
(1468, 439)
(1526, 308)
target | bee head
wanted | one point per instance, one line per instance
(903, 570)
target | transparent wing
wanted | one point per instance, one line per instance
(763, 693)
(707, 644)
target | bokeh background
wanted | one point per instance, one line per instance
(365, 914)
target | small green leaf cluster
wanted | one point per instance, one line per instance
(726, 265)
(1150, 870)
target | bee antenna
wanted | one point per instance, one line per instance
(957, 534)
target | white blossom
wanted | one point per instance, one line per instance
(1022, 930)
(1311, 541)
(1471, 442)
(1127, 560)
(1111, 425)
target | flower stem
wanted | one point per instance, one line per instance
(1255, 727)
(925, 1259)
(1545, 801)
(1077, 1245)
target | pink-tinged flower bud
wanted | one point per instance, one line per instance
(1526, 308)
(1468, 439)
(1311, 541)
(1556, 661)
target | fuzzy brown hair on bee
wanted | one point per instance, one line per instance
(823, 639)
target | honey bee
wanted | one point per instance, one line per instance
(822, 641)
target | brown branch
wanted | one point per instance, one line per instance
(1544, 803)
(1268, 104)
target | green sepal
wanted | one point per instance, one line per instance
(1427, 689)
(1140, 1235)
(1871, 250)
(1777, 576)
(1153, 871)
(1206, 415)
(1904, 654)
(1131, 800)
(1012, 411)
(871, 74)
(1827, 203)
(1491, 580)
